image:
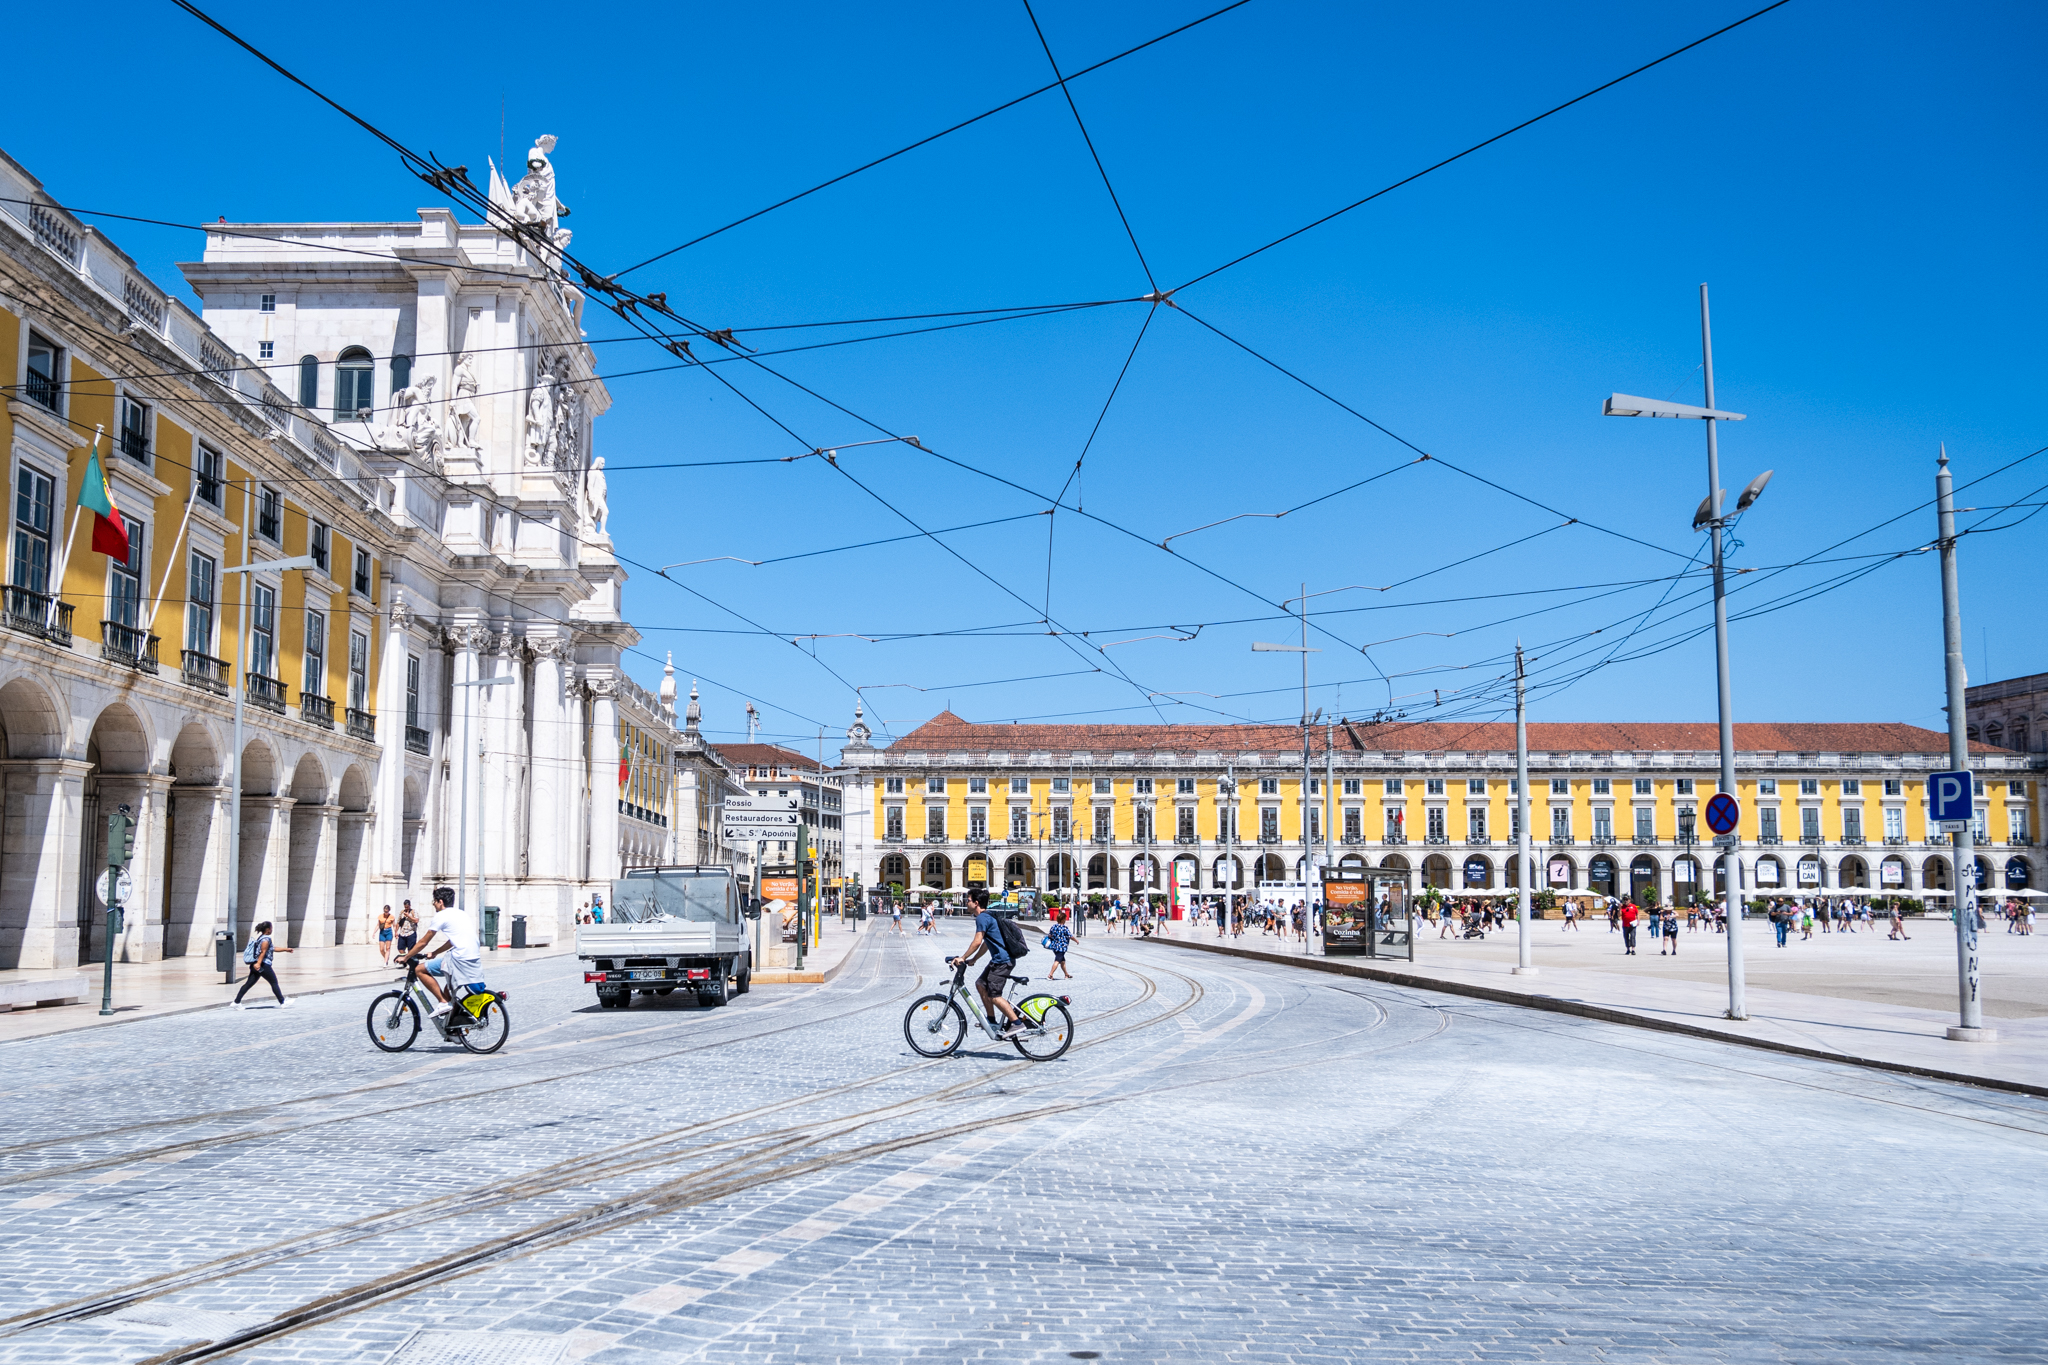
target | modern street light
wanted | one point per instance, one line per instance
(242, 664)
(1711, 518)
(462, 820)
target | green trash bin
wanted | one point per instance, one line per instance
(491, 927)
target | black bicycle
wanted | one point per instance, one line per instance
(477, 1019)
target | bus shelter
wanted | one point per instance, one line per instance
(1368, 912)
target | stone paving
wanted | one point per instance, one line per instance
(1238, 1162)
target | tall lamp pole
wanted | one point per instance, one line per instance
(242, 666)
(1710, 518)
(1963, 851)
(1262, 647)
(1525, 962)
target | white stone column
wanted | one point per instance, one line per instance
(455, 845)
(385, 856)
(604, 787)
(266, 861)
(310, 902)
(551, 793)
(353, 913)
(39, 870)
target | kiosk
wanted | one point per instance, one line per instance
(1367, 912)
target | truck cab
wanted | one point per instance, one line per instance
(669, 929)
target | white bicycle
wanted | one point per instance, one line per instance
(936, 1025)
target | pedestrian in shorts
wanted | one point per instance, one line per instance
(1058, 939)
(385, 923)
(408, 929)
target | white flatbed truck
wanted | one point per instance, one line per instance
(668, 929)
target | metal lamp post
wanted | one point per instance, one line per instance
(242, 665)
(1710, 517)
(462, 819)
(1262, 647)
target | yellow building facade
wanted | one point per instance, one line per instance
(1613, 808)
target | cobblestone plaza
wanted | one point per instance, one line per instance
(1237, 1162)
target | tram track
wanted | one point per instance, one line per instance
(622, 1160)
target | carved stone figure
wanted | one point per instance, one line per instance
(533, 198)
(568, 408)
(540, 418)
(462, 412)
(595, 498)
(412, 429)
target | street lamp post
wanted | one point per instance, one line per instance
(1711, 518)
(1304, 651)
(242, 665)
(1226, 800)
(462, 819)
(1524, 868)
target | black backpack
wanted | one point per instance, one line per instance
(1013, 937)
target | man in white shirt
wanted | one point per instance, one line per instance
(451, 950)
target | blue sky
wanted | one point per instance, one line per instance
(1857, 182)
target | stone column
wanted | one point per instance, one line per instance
(310, 901)
(503, 708)
(386, 856)
(456, 844)
(604, 787)
(195, 869)
(39, 861)
(551, 791)
(266, 861)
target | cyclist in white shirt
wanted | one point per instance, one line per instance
(450, 949)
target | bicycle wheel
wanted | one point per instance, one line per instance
(1052, 1031)
(934, 1026)
(490, 1030)
(394, 1021)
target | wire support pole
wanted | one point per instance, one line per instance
(1524, 958)
(1963, 859)
(1731, 866)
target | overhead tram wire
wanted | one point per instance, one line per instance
(1477, 146)
(926, 141)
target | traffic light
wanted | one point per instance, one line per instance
(810, 867)
(120, 838)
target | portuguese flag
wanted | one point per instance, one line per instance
(109, 530)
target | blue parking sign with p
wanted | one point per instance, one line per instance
(1949, 796)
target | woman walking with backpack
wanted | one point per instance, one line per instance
(258, 955)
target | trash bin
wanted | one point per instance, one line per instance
(224, 954)
(519, 931)
(491, 927)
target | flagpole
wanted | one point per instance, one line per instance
(171, 565)
(64, 560)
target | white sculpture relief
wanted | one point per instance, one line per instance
(597, 503)
(412, 429)
(568, 412)
(532, 205)
(462, 412)
(540, 417)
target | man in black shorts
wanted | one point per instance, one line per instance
(989, 985)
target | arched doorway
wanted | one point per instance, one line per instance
(1642, 878)
(1018, 870)
(1187, 872)
(1477, 873)
(1351, 860)
(1101, 874)
(195, 843)
(1600, 875)
(1934, 875)
(118, 750)
(1770, 873)
(1271, 868)
(351, 828)
(1984, 878)
(1060, 872)
(1891, 873)
(1560, 873)
(1228, 873)
(937, 872)
(895, 872)
(1436, 871)
(309, 892)
(2018, 875)
(1685, 880)
(1813, 873)
(1145, 873)
(1854, 872)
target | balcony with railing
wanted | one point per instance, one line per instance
(1603, 841)
(418, 740)
(1812, 840)
(43, 390)
(1189, 839)
(1350, 839)
(1558, 840)
(1770, 839)
(1853, 840)
(1895, 840)
(267, 693)
(1478, 841)
(129, 646)
(316, 710)
(362, 725)
(1395, 837)
(1645, 841)
(205, 672)
(1438, 839)
(37, 614)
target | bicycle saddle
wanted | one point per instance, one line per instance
(1021, 980)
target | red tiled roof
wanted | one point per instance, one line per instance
(766, 756)
(947, 732)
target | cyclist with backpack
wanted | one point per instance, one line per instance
(1005, 944)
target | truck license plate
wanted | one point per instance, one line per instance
(645, 976)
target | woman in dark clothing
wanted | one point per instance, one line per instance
(260, 967)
